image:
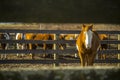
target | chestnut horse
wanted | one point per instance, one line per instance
(43, 45)
(31, 46)
(103, 46)
(63, 46)
(66, 37)
(87, 44)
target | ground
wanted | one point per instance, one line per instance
(57, 26)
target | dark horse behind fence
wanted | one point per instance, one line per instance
(87, 44)
(4, 46)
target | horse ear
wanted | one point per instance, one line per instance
(91, 26)
(83, 26)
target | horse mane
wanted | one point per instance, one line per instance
(96, 34)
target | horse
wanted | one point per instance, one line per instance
(31, 46)
(20, 46)
(87, 44)
(63, 46)
(23, 36)
(66, 37)
(4, 46)
(103, 46)
(43, 45)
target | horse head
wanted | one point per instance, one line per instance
(88, 35)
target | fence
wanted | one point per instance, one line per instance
(57, 51)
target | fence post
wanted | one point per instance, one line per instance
(118, 49)
(56, 63)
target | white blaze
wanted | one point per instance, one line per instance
(88, 39)
(77, 47)
(17, 36)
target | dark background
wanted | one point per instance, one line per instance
(60, 11)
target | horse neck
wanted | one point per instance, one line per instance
(96, 40)
(96, 35)
(82, 38)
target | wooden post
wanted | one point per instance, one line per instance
(118, 49)
(55, 55)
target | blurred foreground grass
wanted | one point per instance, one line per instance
(61, 73)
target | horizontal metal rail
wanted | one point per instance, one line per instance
(55, 41)
(41, 51)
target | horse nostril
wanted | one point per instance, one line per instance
(87, 46)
